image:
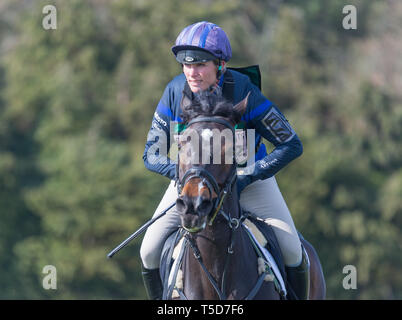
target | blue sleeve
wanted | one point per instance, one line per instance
(263, 116)
(158, 140)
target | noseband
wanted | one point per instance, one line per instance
(205, 176)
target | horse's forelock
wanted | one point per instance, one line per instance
(210, 104)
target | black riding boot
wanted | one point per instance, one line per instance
(299, 277)
(153, 283)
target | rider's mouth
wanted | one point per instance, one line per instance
(195, 82)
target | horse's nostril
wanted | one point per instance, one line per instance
(180, 205)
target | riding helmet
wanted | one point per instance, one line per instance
(201, 42)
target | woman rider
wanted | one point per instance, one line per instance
(203, 49)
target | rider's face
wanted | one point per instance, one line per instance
(200, 76)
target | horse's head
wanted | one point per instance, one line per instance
(206, 166)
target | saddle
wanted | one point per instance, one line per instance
(263, 239)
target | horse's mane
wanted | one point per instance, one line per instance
(209, 104)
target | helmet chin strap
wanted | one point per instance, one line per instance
(219, 73)
(214, 86)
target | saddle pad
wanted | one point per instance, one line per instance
(176, 276)
(168, 262)
(265, 236)
(268, 258)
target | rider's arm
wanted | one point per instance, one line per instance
(263, 116)
(158, 141)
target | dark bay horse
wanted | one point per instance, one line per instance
(221, 262)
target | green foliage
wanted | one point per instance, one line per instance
(76, 104)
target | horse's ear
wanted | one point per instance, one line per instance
(242, 105)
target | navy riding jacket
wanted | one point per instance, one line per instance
(261, 115)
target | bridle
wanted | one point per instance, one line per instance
(212, 185)
(208, 178)
(234, 223)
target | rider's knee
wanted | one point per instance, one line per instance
(149, 257)
(292, 254)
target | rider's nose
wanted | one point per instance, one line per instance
(192, 70)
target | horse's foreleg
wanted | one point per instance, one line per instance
(317, 281)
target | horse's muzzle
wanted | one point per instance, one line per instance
(194, 212)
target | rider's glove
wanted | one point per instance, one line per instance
(242, 182)
(250, 174)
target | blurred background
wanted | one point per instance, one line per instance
(76, 104)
